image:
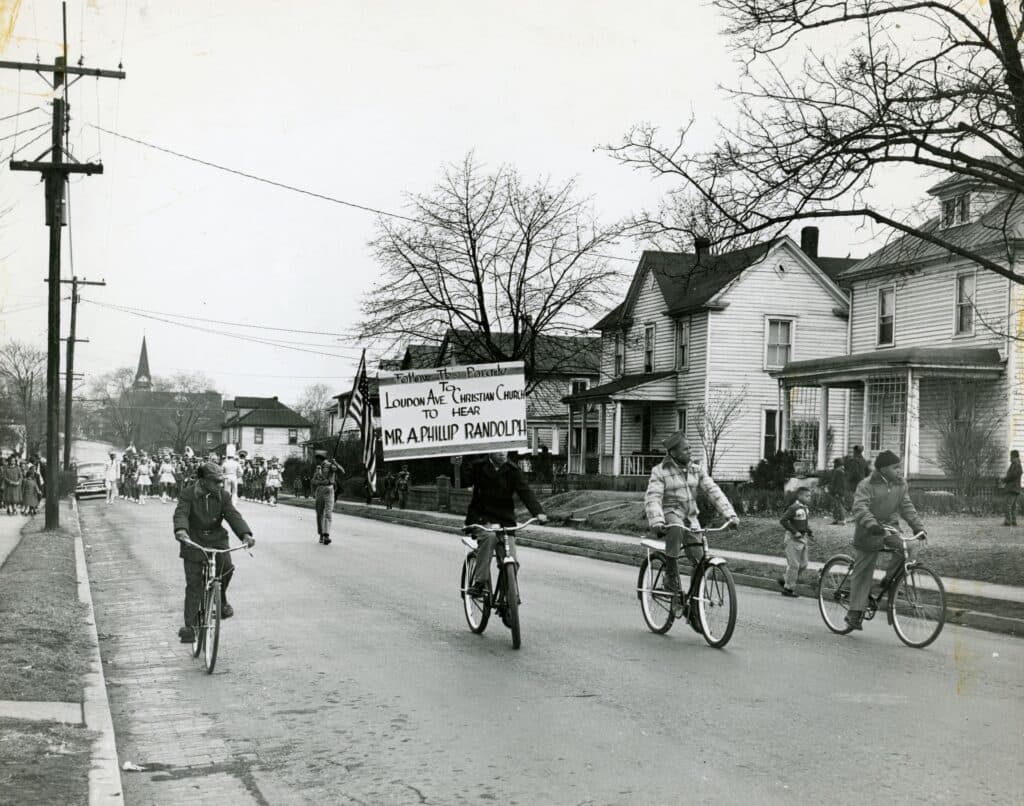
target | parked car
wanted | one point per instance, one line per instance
(90, 479)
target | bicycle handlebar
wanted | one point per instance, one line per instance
(208, 550)
(494, 527)
(892, 530)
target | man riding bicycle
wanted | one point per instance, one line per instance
(494, 481)
(671, 504)
(202, 505)
(880, 500)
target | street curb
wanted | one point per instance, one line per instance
(104, 772)
(955, 614)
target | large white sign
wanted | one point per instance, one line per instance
(452, 410)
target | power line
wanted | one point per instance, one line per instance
(25, 131)
(312, 193)
(22, 112)
(222, 322)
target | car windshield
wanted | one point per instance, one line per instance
(91, 468)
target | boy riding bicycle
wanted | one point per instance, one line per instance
(202, 506)
(671, 504)
(494, 481)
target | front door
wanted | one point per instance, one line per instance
(645, 430)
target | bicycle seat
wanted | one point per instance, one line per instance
(469, 543)
(651, 543)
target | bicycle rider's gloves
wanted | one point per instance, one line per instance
(249, 541)
(180, 535)
(734, 523)
(542, 518)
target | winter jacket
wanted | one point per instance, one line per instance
(880, 502)
(493, 490)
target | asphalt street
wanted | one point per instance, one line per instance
(348, 675)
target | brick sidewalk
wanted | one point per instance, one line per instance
(158, 725)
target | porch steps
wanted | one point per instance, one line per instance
(580, 515)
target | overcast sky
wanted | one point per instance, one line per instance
(362, 101)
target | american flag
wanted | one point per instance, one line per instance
(361, 412)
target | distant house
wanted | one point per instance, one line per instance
(263, 426)
(699, 333)
(922, 320)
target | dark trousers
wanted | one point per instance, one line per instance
(838, 507)
(863, 571)
(487, 543)
(194, 584)
(1010, 510)
(676, 537)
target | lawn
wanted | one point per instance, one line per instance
(44, 655)
(958, 545)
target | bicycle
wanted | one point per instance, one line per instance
(206, 631)
(709, 606)
(506, 600)
(917, 600)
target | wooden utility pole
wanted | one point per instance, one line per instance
(70, 372)
(55, 173)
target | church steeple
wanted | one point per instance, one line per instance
(143, 380)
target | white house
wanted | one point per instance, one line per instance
(921, 319)
(263, 426)
(698, 334)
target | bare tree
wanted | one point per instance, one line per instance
(312, 405)
(23, 368)
(968, 422)
(120, 406)
(936, 85)
(715, 417)
(490, 254)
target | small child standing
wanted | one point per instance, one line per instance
(798, 530)
(30, 493)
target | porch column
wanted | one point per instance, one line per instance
(617, 440)
(784, 418)
(556, 439)
(823, 428)
(865, 436)
(583, 438)
(568, 444)
(601, 429)
(912, 437)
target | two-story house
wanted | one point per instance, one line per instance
(693, 346)
(263, 426)
(922, 321)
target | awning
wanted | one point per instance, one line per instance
(852, 370)
(649, 387)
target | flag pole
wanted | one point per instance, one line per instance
(355, 387)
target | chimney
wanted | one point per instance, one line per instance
(809, 242)
(701, 246)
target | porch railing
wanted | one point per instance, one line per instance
(640, 464)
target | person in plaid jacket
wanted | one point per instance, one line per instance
(671, 503)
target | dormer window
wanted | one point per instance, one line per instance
(956, 210)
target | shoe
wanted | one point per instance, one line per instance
(792, 594)
(853, 620)
(327, 540)
(227, 611)
(187, 635)
(781, 582)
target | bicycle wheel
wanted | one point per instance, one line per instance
(834, 593)
(477, 611)
(212, 639)
(199, 631)
(716, 605)
(512, 603)
(655, 600)
(917, 607)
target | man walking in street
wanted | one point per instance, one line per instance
(1011, 489)
(111, 476)
(856, 468)
(324, 481)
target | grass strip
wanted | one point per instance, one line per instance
(44, 763)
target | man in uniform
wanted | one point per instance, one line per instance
(202, 506)
(402, 485)
(323, 493)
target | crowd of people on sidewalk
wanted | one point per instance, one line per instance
(23, 485)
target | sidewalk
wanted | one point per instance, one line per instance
(10, 535)
(973, 603)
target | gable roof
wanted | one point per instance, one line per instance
(420, 356)
(688, 284)
(1002, 222)
(254, 403)
(567, 355)
(282, 417)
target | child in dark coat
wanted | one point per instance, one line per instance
(798, 530)
(30, 493)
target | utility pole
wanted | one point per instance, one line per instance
(55, 173)
(70, 372)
